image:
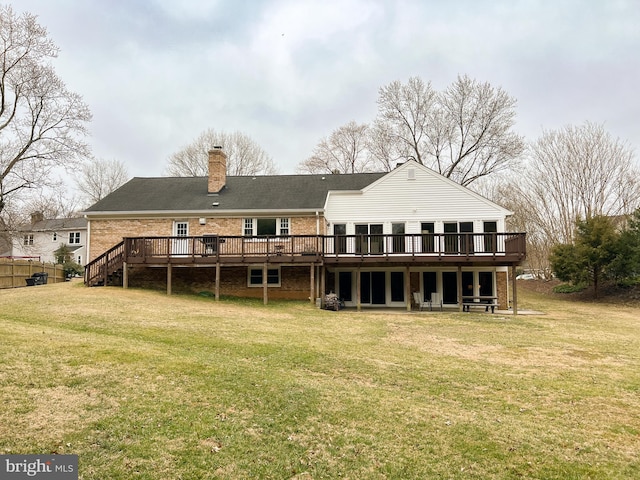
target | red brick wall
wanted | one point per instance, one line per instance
(233, 281)
(104, 234)
(501, 288)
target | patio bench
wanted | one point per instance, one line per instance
(488, 304)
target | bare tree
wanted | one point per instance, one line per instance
(244, 156)
(101, 177)
(42, 124)
(578, 173)
(471, 136)
(52, 203)
(344, 151)
(464, 132)
(505, 189)
(404, 114)
(383, 152)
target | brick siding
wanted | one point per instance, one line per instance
(233, 281)
(104, 234)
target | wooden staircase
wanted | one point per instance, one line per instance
(106, 269)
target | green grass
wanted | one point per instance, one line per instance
(141, 385)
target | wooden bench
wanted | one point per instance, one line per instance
(467, 305)
(482, 301)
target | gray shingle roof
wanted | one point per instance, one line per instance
(55, 224)
(269, 192)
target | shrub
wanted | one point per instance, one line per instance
(628, 282)
(569, 288)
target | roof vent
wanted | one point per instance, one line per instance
(411, 174)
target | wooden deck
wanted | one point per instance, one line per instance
(426, 250)
(460, 249)
(477, 249)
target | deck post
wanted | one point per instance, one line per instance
(265, 295)
(169, 267)
(323, 287)
(104, 271)
(407, 288)
(312, 284)
(460, 306)
(217, 288)
(515, 289)
(358, 287)
(125, 276)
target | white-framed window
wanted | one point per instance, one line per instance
(284, 226)
(74, 237)
(79, 259)
(27, 239)
(248, 227)
(181, 229)
(54, 237)
(257, 227)
(255, 276)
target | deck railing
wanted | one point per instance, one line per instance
(98, 270)
(214, 247)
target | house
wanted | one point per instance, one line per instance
(42, 237)
(372, 238)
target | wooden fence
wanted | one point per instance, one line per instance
(14, 272)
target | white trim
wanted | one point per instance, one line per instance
(289, 212)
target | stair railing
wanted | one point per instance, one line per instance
(99, 269)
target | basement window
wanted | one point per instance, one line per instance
(255, 277)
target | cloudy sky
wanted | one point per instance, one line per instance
(156, 73)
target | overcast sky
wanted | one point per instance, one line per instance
(156, 73)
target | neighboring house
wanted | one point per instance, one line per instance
(42, 237)
(372, 238)
(5, 239)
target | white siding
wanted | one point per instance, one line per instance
(44, 246)
(397, 198)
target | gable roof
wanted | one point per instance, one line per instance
(401, 170)
(55, 225)
(269, 192)
(411, 193)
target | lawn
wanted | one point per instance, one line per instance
(143, 385)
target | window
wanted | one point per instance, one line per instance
(74, 237)
(284, 226)
(55, 237)
(28, 239)
(369, 238)
(428, 238)
(451, 237)
(466, 241)
(181, 229)
(398, 237)
(397, 286)
(248, 227)
(490, 237)
(255, 277)
(341, 241)
(455, 243)
(266, 226)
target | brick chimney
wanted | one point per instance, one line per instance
(36, 217)
(217, 169)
